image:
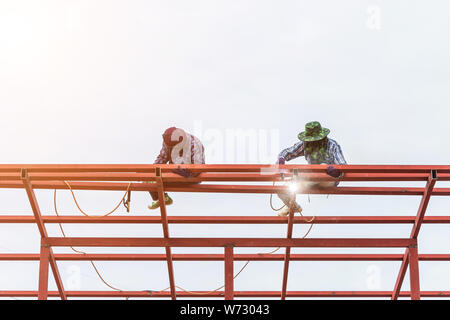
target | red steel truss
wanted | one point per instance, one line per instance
(159, 178)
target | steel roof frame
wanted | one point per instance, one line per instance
(156, 177)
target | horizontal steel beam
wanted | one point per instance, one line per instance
(219, 257)
(220, 168)
(222, 242)
(210, 177)
(226, 188)
(237, 294)
(227, 219)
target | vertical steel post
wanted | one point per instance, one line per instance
(432, 178)
(414, 272)
(165, 226)
(288, 249)
(229, 273)
(43, 232)
(43, 272)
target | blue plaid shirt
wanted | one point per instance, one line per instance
(334, 153)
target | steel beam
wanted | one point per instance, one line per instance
(401, 276)
(287, 254)
(423, 205)
(43, 232)
(43, 272)
(219, 257)
(220, 294)
(165, 226)
(237, 242)
(428, 191)
(226, 219)
(404, 169)
(414, 272)
(229, 273)
(225, 188)
(217, 177)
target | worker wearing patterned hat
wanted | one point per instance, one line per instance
(179, 147)
(317, 148)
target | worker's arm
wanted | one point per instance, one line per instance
(297, 150)
(163, 156)
(338, 158)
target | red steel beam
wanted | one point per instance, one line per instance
(218, 177)
(220, 168)
(258, 177)
(415, 231)
(401, 276)
(237, 242)
(165, 226)
(266, 189)
(43, 232)
(219, 257)
(423, 206)
(229, 273)
(414, 273)
(220, 294)
(214, 188)
(287, 254)
(412, 250)
(227, 219)
(43, 272)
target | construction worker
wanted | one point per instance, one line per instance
(317, 148)
(179, 147)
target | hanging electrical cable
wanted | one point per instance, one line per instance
(115, 208)
(79, 251)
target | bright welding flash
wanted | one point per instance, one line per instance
(293, 187)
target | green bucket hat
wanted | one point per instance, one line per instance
(314, 132)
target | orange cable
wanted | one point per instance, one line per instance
(82, 252)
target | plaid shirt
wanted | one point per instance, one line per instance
(192, 144)
(334, 153)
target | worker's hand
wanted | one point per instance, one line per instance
(281, 160)
(182, 172)
(333, 172)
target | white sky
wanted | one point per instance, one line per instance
(98, 82)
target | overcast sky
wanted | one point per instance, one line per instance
(99, 81)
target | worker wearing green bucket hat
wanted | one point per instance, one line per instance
(317, 148)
